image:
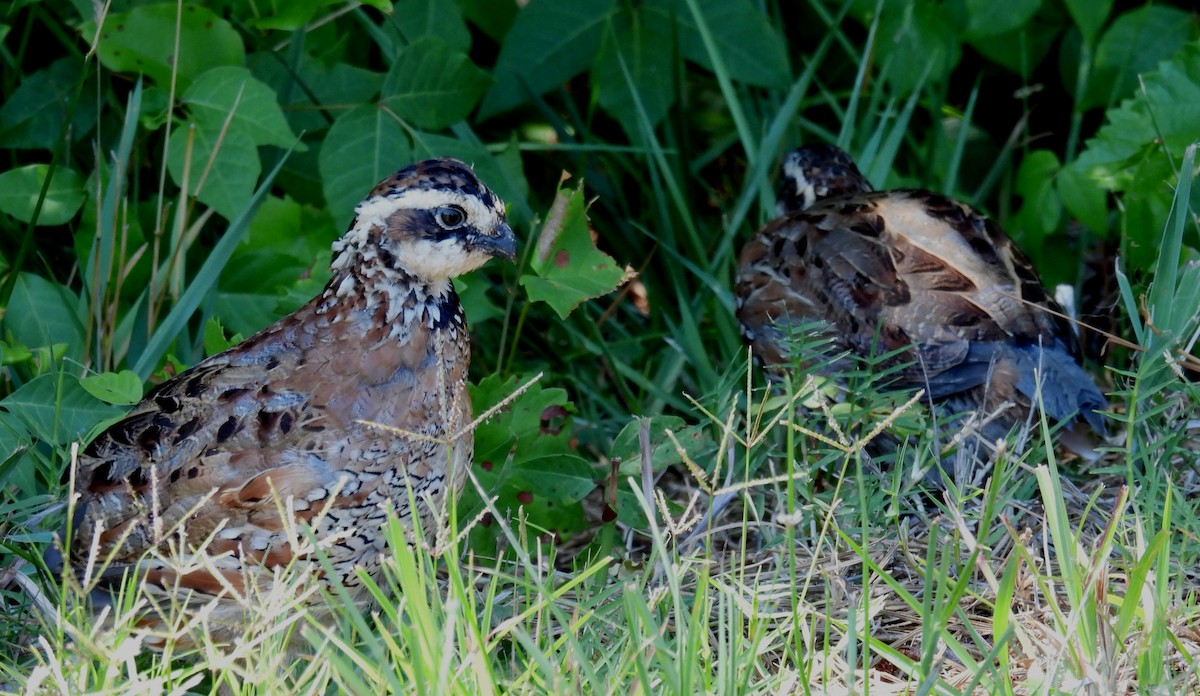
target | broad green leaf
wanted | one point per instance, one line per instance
(1134, 44)
(1041, 209)
(638, 39)
(524, 455)
(1090, 16)
(21, 187)
(14, 437)
(283, 225)
(362, 147)
(249, 290)
(494, 17)
(231, 93)
(745, 43)
(33, 115)
(472, 293)
(290, 15)
(534, 422)
(1083, 198)
(986, 18)
(1021, 50)
(626, 448)
(923, 42)
(560, 478)
(550, 42)
(121, 388)
(415, 19)
(223, 167)
(569, 268)
(57, 415)
(42, 313)
(433, 85)
(333, 85)
(143, 41)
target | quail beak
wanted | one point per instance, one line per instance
(503, 244)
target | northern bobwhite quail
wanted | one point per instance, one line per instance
(274, 425)
(911, 269)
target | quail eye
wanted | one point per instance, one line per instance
(450, 216)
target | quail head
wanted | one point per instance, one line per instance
(916, 272)
(216, 466)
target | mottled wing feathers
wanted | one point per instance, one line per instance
(893, 269)
(233, 438)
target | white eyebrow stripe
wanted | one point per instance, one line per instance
(375, 211)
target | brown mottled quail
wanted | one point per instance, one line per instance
(274, 426)
(912, 270)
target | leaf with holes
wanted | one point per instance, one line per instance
(568, 267)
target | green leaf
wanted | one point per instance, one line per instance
(986, 18)
(473, 295)
(362, 147)
(533, 423)
(1135, 43)
(421, 18)
(1041, 209)
(751, 50)
(249, 291)
(42, 313)
(493, 17)
(57, 415)
(214, 337)
(122, 388)
(1089, 16)
(35, 112)
(433, 85)
(14, 437)
(637, 39)
(1132, 155)
(303, 232)
(524, 454)
(328, 84)
(1084, 199)
(1021, 50)
(917, 44)
(231, 93)
(550, 42)
(626, 448)
(143, 41)
(290, 15)
(561, 478)
(569, 268)
(21, 187)
(14, 354)
(223, 167)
